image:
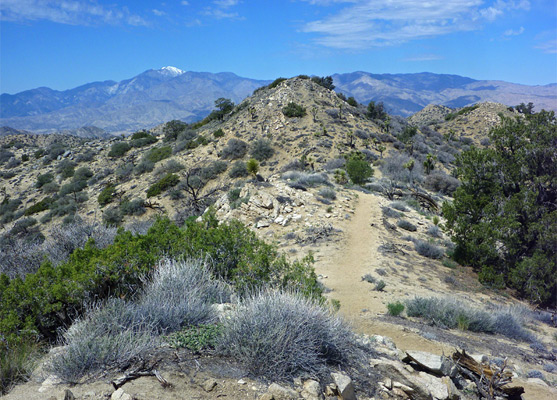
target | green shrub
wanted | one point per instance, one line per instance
(124, 171)
(238, 170)
(72, 188)
(107, 195)
(66, 168)
(406, 225)
(119, 149)
(234, 149)
(143, 167)
(165, 183)
(53, 297)
(427, 249)
(51, 187)
(141, 139)
(276, 82)
(213, 170)
(380, 285)
(158, 153)
(252, 166)
(395, 309)
(357, 168)
(196, 338)
(17, 363)
(132, 207)
(82, 174)
(112, 216)
(172, 129)
(40, 206)
(43, 179)
(218, 133)
(352, 101)
(294, 110)
(262, 150)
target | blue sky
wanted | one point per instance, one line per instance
(65, 43)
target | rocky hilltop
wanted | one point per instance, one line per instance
(375, 244)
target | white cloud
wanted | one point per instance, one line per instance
(71, 12)
(510, 32)
(423, 57)
(367, 23)
(158, 13)
(225, 3)
(185, 3)
(548, 47)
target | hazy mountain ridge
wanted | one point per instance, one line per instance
(405, 94)
(153, 97)
(156, 96)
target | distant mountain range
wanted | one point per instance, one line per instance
(157, 96)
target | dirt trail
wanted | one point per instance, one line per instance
(357, 256)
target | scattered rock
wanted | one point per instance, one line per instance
(434, 385)
(312, 390)
(282, 393)
(267, 396)
(345, 386)
(537, 381)
(209, 385)
(241, 382)
(120, 395)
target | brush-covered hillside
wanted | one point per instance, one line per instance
(295, 245)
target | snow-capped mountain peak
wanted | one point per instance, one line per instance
(171, 71)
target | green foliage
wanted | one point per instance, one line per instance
(24, 157)
(107, 195)
(132, 207)
(165, 183)
(294, 110)
(262, 150)
(118, 149)
(325, 81)
(395, 309)
(407, 134)
(213, 170)
(357, 168)
(112, 216)
(42, 205)
(66, 168)
(16, 363)
(196, 338)
(141, 139)
(276, 82)
(376, 110)
(504, 215)
(234, 149)
(352, 101)
(43, 179)
(158, 153)
(172, 129)
(238, 170)
(72, 188)
(218, 133)
(252, 166)
(82, 174)
(462, 111)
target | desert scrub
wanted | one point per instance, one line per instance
(327, 193)
(262, 150)
(107, 195)
(158, 153)
(118, 149)
(280, 335)
(428, 250)
(165, 183)
(238, 170)
(196, 338)
(293, 110)
(451, 313)
(42, 205)
(234, 149)
(395, 309)
(406, 225)
(108, 336)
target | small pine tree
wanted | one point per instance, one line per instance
(252, 166)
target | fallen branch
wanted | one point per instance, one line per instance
(130, 376)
